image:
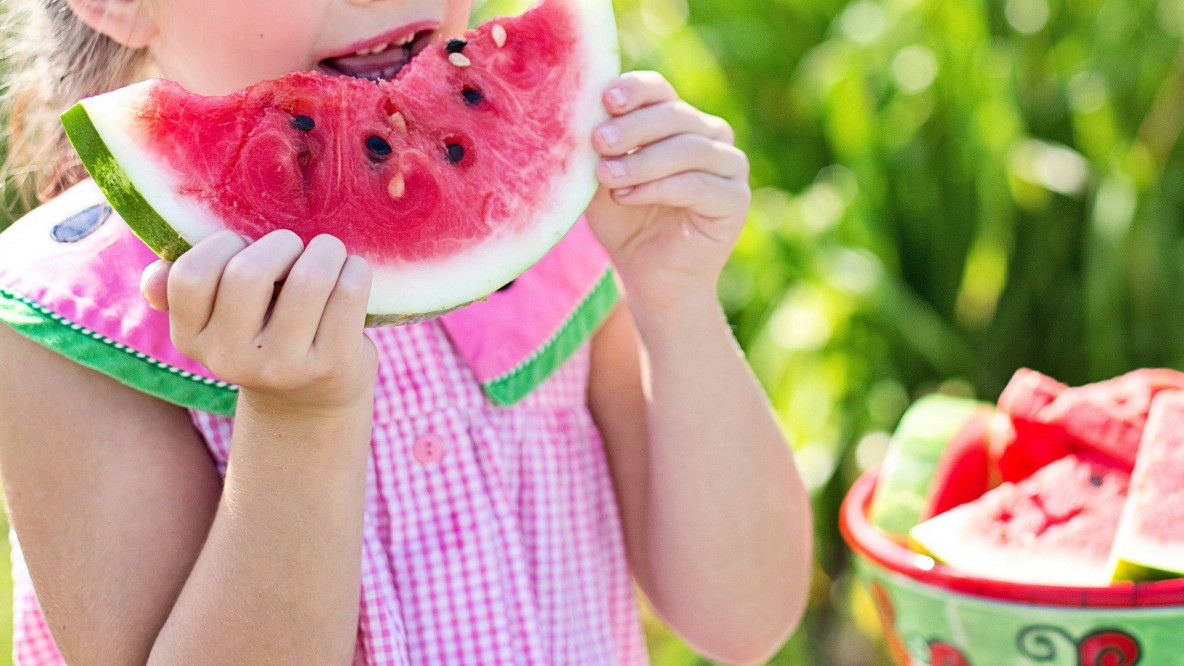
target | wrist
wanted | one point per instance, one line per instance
(676, 314)
(279, 413)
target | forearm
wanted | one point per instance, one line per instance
(727, 522)
(278, 578)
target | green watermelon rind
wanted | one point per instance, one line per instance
(119, 190)
(914, 453)
(1133, 571)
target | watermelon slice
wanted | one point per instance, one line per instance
(1150, 542)
(1109, 416)
(452, 179)
(1021, 442)
(907, 473)
(1047, 420)
(1054, 528)
(963, 471)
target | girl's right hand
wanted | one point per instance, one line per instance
(282, 321)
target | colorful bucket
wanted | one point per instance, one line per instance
(935, 616)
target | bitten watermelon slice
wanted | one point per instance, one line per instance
(451, 179)
(1054, 528)
(1150, 542)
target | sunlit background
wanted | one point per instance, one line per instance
(945, 190)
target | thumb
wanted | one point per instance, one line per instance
(154, 284)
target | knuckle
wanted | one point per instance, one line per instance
(242, 269)
(352, 290)
(184, 279)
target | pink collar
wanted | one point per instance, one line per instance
(69, 279)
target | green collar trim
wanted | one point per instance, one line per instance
(98, 352)
(513, 385)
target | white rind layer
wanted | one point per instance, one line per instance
(422, 287)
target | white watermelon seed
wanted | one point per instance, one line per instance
(397, 186)
(398, 121)
(499, 35)
(459, 59)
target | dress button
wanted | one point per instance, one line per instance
(429, 449)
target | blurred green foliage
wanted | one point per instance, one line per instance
(945, 190)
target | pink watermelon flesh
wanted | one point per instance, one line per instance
(1048, 419)
(1150, 541)
(1054, 528)
(1021, 442)
(962, 473)
(451, 179)
(1109, 416)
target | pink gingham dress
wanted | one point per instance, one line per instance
(491, 533)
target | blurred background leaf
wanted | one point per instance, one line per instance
(945, 191)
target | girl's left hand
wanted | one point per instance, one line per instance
(674, 192)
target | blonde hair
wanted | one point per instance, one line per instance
(50, 60)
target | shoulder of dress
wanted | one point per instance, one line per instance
(69, 279)
(516, 339)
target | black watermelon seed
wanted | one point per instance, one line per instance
(456, 152)
(1095, 481)
(507, 286)
(473, 97)
(455, 45)
(378, 147)
(303, 123)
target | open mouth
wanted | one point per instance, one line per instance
(380, 59)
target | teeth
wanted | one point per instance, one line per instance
(374, 49)
(406, 40)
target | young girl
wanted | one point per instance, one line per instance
(386, 496)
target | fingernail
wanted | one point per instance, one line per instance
(609, 134)
(247, 238)
(624, 191)
(616, 168)
(617, 96)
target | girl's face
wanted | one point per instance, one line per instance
(215, 47)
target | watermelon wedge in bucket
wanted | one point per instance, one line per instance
(451, 179)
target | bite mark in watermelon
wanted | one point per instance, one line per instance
(1056, 527)
(1150, 541)
(452, 179)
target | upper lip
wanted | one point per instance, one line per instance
(389, 37)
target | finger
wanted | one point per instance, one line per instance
(154, 285)
(193, 283)
(654, 123)
(678, 154)
(706, 194)
(635, 90)
(248, 284)
(301, 303)
(345, 311)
